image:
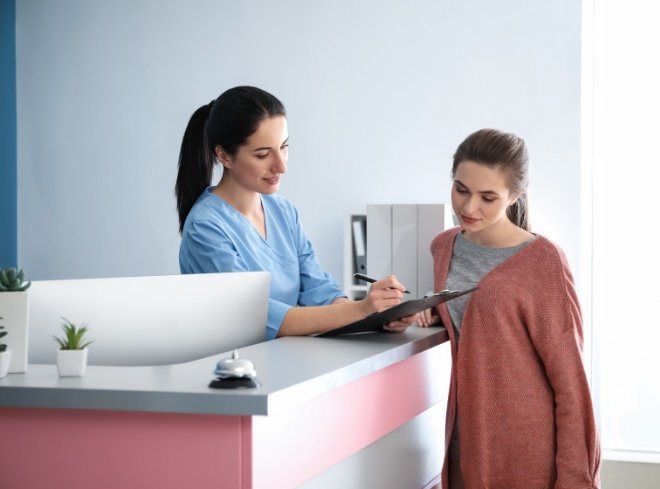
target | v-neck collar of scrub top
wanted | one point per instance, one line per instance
(242, 216)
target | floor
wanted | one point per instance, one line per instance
(625, 475)
(629, 475)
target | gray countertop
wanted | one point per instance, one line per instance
(290, 370)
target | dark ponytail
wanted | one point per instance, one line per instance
(195, 163)
(226, 122)
(497, 149)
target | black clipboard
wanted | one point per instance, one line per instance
(377, 320)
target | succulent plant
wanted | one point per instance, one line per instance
(3, 346)
(13, 280)
(74, 336)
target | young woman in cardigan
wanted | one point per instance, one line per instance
(241, 224)
(519, 414)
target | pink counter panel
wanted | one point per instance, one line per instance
(299, 436)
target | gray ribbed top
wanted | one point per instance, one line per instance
(470, 262)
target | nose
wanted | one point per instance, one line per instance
(279, 163)
(471, 204)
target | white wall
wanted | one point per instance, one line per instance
(379, 94)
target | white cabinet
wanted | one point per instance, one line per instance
(398, 240)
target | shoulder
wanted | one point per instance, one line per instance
(204, 207)
(548, 251)
(444, 240)
(209, 212)
(546, 285)
(544, 266)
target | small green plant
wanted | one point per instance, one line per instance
(13, 280)
(74, 336)
(3, 346)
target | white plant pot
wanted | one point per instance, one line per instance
(71, 363)
(5, 359)
(14, 311)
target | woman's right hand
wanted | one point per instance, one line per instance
(383, 294)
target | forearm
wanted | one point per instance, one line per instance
(382, 294)
(318, 319)
(577, 441)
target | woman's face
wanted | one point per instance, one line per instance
(258, 164)
(480, 197)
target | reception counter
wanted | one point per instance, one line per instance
(320, 402)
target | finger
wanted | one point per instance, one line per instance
(389, 293)
(381, 291)
(433, 321)
(428, 317)
(410, 320)
(391, 282)
(396, 326)
(392, 329)
(382, 303)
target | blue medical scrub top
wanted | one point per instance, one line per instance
(218, 238)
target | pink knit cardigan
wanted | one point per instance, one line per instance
(526, 415)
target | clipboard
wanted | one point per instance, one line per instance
(377, 320)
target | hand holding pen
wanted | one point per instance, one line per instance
(367, 278)
(383, 294)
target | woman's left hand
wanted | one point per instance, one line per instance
(401, 325)
(428, 317)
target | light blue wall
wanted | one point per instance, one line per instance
(379, 94)
(8, 134)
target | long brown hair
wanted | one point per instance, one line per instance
(506, 151)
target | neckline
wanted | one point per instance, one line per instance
(227, 204)
(478, 245)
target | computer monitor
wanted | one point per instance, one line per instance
(155, 320)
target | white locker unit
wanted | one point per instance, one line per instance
(398, 242)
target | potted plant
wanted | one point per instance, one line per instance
(14, 306)
(5, 354)
(72, 354)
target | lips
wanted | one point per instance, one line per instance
(272, 181)
(469, 220)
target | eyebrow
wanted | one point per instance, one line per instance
(485, 192)
(262, 148)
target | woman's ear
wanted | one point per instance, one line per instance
(513, 199)
(223, 157)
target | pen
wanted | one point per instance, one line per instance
(367, 278)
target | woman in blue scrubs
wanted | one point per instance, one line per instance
(241, 225)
